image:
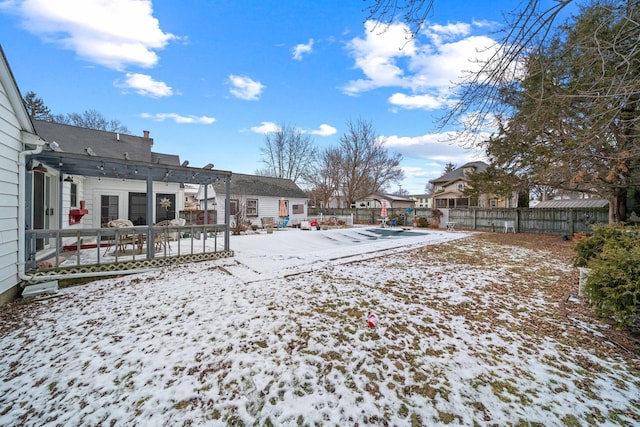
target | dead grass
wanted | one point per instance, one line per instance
(566, 286)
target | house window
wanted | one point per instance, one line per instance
(165, 207)
(460, 186)
(138, 208)
(252, 207)
(108, 209)
(439, 188)
(233, 206)
(297, 209)
(493, 203)
(73, 194)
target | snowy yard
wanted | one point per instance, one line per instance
(472, 331)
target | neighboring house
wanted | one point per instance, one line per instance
(448, 190)
(259, 197)
(190, 197)
(422, 200)
(17, 139)
(337, 201)
(374, 201)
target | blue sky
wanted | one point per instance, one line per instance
(209, 78)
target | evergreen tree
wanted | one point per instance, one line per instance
(36, 107)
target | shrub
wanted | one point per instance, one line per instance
(397, 217)
(436, 214)
(591, 246)
(422, 222)
(613, 286)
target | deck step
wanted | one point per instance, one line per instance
(49, 287)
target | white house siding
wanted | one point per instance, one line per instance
(268, 207)
(94, 189)
(10, 147)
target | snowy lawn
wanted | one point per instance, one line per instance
(482, 329)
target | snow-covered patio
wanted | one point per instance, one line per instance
(470, 332)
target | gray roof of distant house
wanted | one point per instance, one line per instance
(254, 185)
(396, 197)
(573, 203)
(459, 172)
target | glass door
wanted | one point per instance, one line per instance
(44, 214)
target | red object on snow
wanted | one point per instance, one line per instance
(313, 223)
(372, 321)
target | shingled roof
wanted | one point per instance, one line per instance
(459, 172)
(90, 152)
(254, 185)
(74, 139)
(573, 203)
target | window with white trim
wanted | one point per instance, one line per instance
(252, 207)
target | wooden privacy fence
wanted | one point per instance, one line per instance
(526, 220)
(530, 220)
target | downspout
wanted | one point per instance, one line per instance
(30, 139)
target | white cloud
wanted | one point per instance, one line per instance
(300, 49)
(144, 85)
(438, 32)
(266, 127)
(426, 67)
(324, 130)
(434, 147)
(245, 88)
(412, 102)
(115, 33)
(377, 56)
(177, 118)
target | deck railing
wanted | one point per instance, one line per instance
(81, 251)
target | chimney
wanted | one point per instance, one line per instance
(145, 133)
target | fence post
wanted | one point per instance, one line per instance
(570, 222)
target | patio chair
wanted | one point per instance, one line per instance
(162, 238)
(509, 225)
(267, 221)
(124, 239)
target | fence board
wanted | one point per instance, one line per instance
(526, 220)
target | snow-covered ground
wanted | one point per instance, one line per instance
(468, 333)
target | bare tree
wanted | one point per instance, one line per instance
(287, 153)
(324, 177)
(479, 93)
(91, 119)
(428, 188)
(366, 165)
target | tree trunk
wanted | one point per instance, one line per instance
(618, 207)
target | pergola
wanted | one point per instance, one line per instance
(89, 165)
